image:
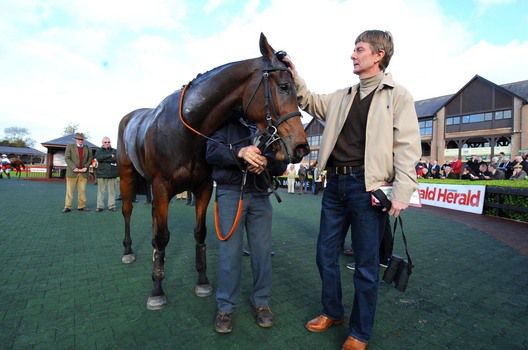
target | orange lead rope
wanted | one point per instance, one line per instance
(235, 223)
(238, 214)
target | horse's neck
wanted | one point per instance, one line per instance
(211, 98)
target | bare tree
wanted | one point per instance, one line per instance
(15, 136)
(70, 129)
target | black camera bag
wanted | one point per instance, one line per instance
(399, 270)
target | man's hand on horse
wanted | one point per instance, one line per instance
(254, 158)
(291, 67)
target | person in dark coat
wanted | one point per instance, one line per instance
(230, 152)
(106, 171)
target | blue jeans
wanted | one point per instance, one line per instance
(345, 203)
(256, 221)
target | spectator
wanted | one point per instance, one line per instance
(190, 199)
(310, 175)
(449, 173)
(6, 166)
(496, 174)
(78, 158)
(506, 165)
(467, 174)
(434, 166)
(291, 178)
(524, 163)
(456, 166)
(255, 218)
(483, 173)
(473, 164)
(434, 173)
(518, 173)
(302, 177)
(106, 171)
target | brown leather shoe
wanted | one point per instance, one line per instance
(353, 344)
(321, 324)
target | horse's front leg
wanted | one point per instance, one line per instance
(160, 239)
(203, 195)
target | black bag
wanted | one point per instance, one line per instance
(399, 270)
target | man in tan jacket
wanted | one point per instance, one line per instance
(78, 158)
(371, 137)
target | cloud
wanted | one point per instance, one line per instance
(91, 62)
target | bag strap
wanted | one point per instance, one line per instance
(399, 219)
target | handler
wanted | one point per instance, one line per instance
(255, 218)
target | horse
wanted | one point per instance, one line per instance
(18, 165)
(166, 146)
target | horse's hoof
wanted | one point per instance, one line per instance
(128, 259)
(203, 290)
(156, 303)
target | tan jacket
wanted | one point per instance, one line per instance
(392, 145)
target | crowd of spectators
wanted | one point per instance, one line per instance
(475, 168)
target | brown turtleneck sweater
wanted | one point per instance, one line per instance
(350, 146)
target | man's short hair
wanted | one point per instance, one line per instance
(379, 40)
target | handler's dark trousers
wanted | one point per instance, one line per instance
(346, 202)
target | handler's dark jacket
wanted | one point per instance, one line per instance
(107, 168)
(227, 166)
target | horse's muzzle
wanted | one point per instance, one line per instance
(299, 152)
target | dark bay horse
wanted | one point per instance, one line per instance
(160, 145)
(18, 165)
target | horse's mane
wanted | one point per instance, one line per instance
(200, 77)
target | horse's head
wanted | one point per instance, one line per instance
(271, 102)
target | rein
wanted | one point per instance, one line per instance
(262, 141)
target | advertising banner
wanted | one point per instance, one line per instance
(467, 198)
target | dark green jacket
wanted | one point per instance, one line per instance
(71, 156)
(107, 163)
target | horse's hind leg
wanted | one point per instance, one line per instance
(126, 189)
(160, 239)
(203, 195)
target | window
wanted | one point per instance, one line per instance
(426, 128)
(503, 114)
(314, 140)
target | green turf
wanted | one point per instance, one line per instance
(63, 286)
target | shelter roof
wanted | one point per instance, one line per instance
(65, 140)
(20, 151)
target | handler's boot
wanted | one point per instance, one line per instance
(353, 344)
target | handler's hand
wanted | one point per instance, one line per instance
(287, 60)
(252, 155)
(397, 208)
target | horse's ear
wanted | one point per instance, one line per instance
(265, 49)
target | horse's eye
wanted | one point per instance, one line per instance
(284, 88)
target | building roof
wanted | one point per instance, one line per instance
(65, 140)
(429, 107)
(20, 151)
(519, 88)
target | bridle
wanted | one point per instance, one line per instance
(266, 138)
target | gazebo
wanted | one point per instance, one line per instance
(56, 149)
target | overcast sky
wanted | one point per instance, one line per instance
(90, 62)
